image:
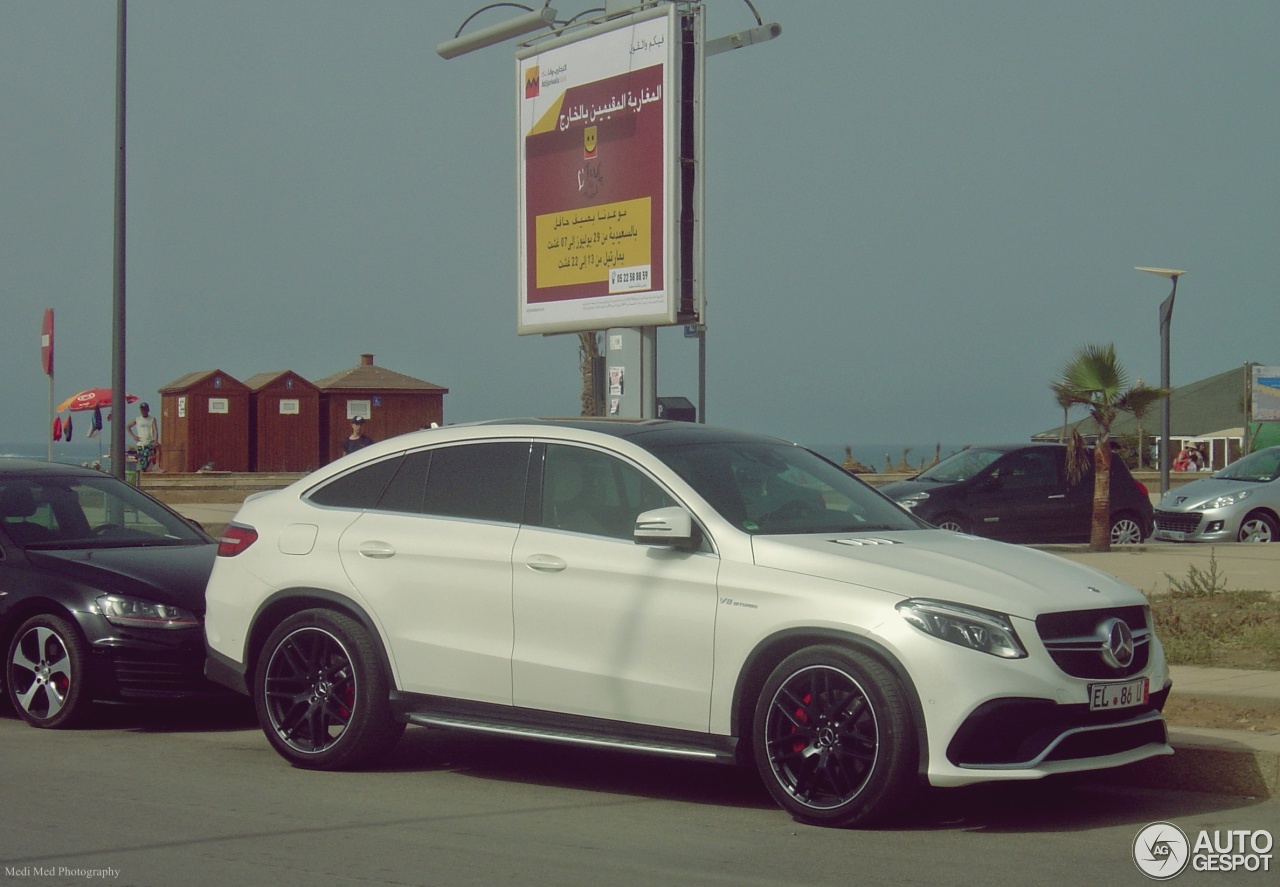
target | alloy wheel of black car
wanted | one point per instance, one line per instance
(1258, 527)
(46, 672)
(833, 738)
(321, 695)
(1126, 529)
(952, 523)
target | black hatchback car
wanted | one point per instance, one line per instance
(101, 593)
(1020, 493)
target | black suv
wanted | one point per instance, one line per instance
(1020, 493)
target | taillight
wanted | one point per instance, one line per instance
(1142, 488)
(235, 539)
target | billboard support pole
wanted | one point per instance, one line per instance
(648, 372)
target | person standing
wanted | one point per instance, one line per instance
(358, 439)
(147, 434)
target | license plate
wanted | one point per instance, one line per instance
(1172, 536)
(1105, 697)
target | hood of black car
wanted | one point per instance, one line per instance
(167, 574)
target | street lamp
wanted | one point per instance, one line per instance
(1166, 317)
(532, 20)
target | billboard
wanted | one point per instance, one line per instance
(1266, 394)
(599, 198)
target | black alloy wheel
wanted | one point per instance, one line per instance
(321, 695)
(46, 672)
(834, 738)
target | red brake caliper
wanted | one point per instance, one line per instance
(800, 744)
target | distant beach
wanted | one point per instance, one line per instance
(75, 452)
(874, 456)
(80, 452)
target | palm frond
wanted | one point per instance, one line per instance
(1077, 457)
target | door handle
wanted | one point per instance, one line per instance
(377, 550)
(545, 563)
(1058, 496)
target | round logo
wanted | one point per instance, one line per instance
(1117, 643)
(1161, 851)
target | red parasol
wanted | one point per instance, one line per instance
(91, 399)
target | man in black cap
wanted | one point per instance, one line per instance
(358, 439)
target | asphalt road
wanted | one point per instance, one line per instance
(199, 798)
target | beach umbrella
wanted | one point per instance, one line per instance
(91, 399)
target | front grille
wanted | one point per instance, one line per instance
(1076, 642)
(1178, 521)
(139, 677)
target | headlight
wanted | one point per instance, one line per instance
(976, 629)
(132, 612)
(1230, 499)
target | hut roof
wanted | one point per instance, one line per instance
(368, 376)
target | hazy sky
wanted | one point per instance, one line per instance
(915, 211)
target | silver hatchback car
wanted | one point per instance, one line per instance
(1240, 503)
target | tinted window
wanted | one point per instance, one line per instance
(360, 488)
(407, 489)
(587, 491)
(779, 488)
(482, 481)
(1027, 468)
(961, 466)
(87, 512)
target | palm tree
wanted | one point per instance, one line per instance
(1094, 379)
(588, 356)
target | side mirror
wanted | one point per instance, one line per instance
(671, 526)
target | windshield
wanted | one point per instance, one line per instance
(768, 488)
(962, 466)
(87, 512)
(1261, 467)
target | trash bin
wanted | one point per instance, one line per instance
(131, 476)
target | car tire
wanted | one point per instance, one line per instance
(834, 738)
(47, 672)
(1258, 526)
(321, 694)
(952, 522)
(1126, 529)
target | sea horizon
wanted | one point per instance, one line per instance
(873, 455)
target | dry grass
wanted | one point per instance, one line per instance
(1201, 623)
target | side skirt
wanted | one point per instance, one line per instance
(454, 714)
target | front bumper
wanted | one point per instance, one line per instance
(140, 665)
(988, 719)
(1019, 734)
(1216, 525)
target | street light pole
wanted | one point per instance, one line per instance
(1166, 319)
(118, 414)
